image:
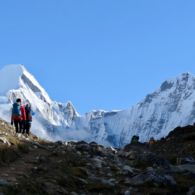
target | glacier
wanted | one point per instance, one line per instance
(172, 105)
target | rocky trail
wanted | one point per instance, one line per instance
(33, 166)
(22, 166)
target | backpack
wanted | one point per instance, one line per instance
(16, 110)
(135, 139)
(28, 113)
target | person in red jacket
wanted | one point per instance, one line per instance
(18, 116)
(23, 118)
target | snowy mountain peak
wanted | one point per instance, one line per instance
(187, 74)
(28, 81)
(18, 82)
(19, 68)
(16, 77)
(71, 108)
(10, 76)
(185, 78)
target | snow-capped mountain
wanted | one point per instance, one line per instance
(17, 82)
(172, 105)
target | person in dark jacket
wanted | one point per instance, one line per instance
(135, 139)
(28, 119)
(18, 117)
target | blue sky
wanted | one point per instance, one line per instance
(104, 54)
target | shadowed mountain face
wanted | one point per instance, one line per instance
(31, 166)
(30, 84)
(172, 105)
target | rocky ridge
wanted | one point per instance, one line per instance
(34, 166)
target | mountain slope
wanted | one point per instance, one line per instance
(34, 166)
(172, 105)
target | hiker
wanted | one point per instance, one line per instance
(151, 141)
(18, 116)
(135, 139)
(28, 119)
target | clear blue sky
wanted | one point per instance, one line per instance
(99, 53)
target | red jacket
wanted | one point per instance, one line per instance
(23, 113)
(22, 117)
